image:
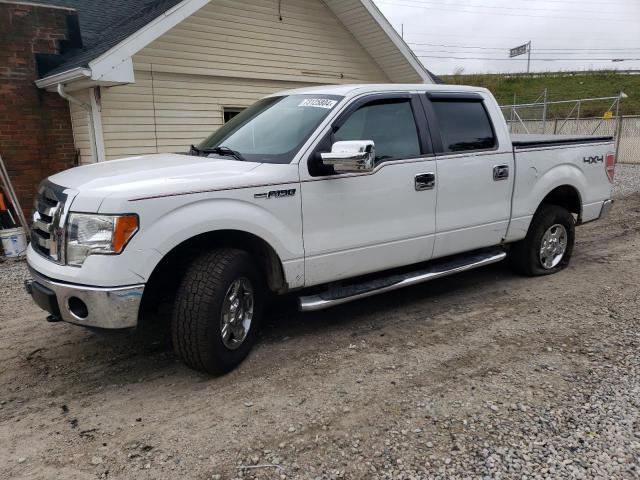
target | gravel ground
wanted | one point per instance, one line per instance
(627, 180)
(482, 375)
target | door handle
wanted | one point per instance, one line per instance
(500, 172)
(425, 181)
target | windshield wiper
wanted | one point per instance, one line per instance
(220, 150)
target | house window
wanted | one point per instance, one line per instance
(229, 112)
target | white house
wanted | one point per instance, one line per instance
(158, 75)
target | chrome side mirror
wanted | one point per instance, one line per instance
(351, 156)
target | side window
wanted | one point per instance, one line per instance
(390, 124)
(464, 125)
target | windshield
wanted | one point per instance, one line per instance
(273, 129)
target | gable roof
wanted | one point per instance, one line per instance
(119, 28)
(104, 24)
(374, 32)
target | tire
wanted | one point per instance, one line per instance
(526, 257)
(203, 306)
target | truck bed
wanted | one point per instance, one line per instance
(521, 141)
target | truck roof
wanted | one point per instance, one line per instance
(352, 89)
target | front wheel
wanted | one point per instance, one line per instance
(217, 310)
(548, 246)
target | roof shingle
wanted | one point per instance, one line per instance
(104, 24)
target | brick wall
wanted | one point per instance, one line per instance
(36, 139)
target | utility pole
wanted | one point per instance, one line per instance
(402, 30)
(529, 56)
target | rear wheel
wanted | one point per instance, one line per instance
(548, 246)
(217, 310)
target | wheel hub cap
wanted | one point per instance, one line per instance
(237, 313)
(553, 246)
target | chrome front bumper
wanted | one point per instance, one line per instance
(98, 307)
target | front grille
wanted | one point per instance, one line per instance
(47, 230)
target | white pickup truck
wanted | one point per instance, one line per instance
(334, 193)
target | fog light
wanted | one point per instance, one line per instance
(78, 308)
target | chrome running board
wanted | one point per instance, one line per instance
(439, 268)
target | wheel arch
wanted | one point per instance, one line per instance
(566, 196)
(263, 252)
(167, 273)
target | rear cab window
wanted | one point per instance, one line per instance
(463, 122)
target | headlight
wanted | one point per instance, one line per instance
(98, 234)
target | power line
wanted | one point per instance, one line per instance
(456, 46)
(537, 49)
(578, 2)
(537, 59)
(541, 36)
(518, 9)
(533, 53)
(555, 17)
(589, 49)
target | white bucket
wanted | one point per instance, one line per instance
(14, 242)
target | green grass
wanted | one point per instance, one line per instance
(560, 86)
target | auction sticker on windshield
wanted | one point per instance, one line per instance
(318, 102)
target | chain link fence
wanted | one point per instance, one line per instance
(587, 116)
(629, 140)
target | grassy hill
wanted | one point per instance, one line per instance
(561, 86)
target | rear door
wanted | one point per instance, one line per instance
(475, 168)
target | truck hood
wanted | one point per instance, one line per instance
(140, 174)
(149, 175)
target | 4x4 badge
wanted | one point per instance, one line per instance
(595, 159)
(276, 194)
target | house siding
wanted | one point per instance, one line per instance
(167, 112)
(228, 54)
(246, 39)
(80, 123)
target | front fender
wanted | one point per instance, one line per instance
(278, 222)
(226, 214)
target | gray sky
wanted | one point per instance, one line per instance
(581, 34)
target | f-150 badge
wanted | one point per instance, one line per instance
(276, 194)
(595, 159)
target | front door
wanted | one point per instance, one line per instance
(475, 173)
(359, 223)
